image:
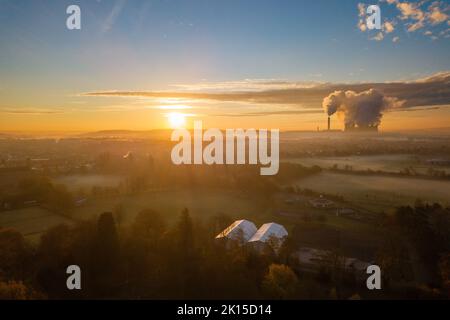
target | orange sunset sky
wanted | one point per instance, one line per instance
(137, 65)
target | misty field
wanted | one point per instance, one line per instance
(387, 163)
(31, 222)
(378, 192)
(79, 181)
(202, 203)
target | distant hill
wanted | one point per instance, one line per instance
(432, 131)
(126, 134)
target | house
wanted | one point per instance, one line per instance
(345, 212)
(240, 230)
(30, 203)
(311, 260)
(80, 202)
(270, 234)
(321, 203)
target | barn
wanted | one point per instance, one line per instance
(240, 230)
(269, 235)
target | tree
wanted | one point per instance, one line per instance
(55, 243)
(444, 271)
(393, 259)
(219, 222)
(59, 199)
(54, 254)
(17, 290)
(104, 262)
(287, 249)
(280, 282)
(149, 225)
(185, 232)
(107, 241)
(119, 214)
(15, 254)
(144, 253)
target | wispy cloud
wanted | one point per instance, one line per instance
(271, 113)
(378, 37)
(413, 16)
(430, 91)
(250, 84)
(34, 111)
(113, 15)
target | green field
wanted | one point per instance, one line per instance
(202, 203)
(31, 222)
(80, 181)
(378, 192)
(387, 163)
(355, 238)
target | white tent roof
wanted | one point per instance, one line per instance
(267, 230)
(244, 227)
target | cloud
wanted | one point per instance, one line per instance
(361, 14)
(378, 37)
(34, 111)
(415, 26)
(361, 10)
(413, 16)
(436, 15)
(445, 33)
(362, 25)
(113, 15)
(410, 10)
(430, 91)
(271, 113)
(388, 26)
(420, 18)
(250, 84)
(442, 76)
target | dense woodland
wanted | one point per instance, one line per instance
(153, 260)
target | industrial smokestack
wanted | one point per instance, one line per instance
(361, 111)
(329, 119)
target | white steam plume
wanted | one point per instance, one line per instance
(364, 109)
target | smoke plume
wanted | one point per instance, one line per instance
(364, 109)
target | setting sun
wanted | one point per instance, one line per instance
(176, 120)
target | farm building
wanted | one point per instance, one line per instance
(272, 234)
(238, 230)
(311, 260)
(321, 203)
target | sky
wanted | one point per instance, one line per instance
(143, 65)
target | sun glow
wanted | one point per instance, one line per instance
(174, 107)
(176, 120)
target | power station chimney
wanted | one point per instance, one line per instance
(329, 119)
